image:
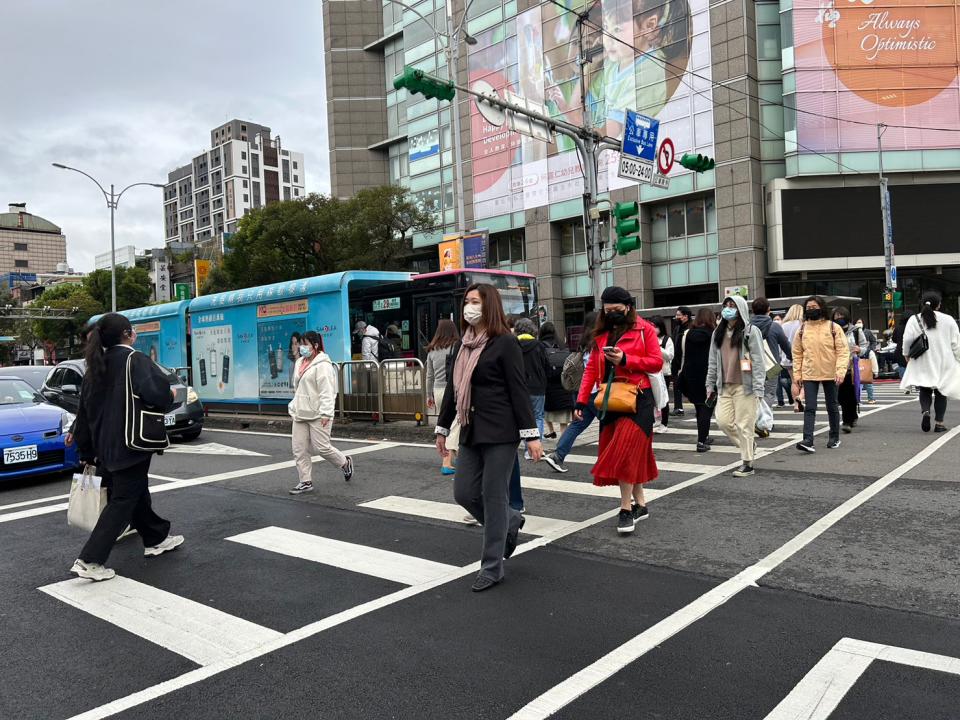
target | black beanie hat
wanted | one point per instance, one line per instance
(616, 295)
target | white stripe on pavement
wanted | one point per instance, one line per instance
(691, 446)
(574, 487)
(691, 431)
(454, 513)
(198, 632)
(664, 466)
(384, 564)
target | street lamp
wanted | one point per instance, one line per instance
(451, 50)
(112, 199)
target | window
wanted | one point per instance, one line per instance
(572, 240)
(72, 377)
(507, 249)
(20, 247)
(294, 164)
(56, 378)
(21, 263)
(296, 178)
(243, 127)
(246, 197)
(243, 170)
(245, 183)
(286, 192)
(243, 155)
(296, 192)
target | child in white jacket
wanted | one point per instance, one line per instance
(312, 407)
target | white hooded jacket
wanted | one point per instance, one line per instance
(314, 392)
(370, 344)
(752, 347)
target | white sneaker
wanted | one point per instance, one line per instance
(660, 428)
(171, 543)
(92, 571)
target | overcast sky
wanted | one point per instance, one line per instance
(128, 90)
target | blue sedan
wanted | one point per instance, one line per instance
(32, 433)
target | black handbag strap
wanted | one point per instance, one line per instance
(606, 394)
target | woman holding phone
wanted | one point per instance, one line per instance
(626, 350)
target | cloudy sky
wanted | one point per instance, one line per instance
(128, 90)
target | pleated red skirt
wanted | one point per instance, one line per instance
(626, 454)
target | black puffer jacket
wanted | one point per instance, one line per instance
(557, 397)
(534, 363)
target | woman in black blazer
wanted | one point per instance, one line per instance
(487, 393)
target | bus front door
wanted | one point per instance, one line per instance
(428, 312)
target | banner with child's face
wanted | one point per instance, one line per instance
(652, 56)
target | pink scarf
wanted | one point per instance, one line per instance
(472, 345)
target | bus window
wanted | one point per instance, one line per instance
(517, 291)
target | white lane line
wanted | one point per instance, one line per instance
(177, 484)
(663, 466)
(335, 440)
(192, 677)
(25, 503)
(400, 568)
(454, 513)
(692, 447)
(574, 487)
(691, 431)
(824, 687)
(563, 694)
(212, 449)
(200, 633)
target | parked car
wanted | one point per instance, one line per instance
(34, 375)
(184, 422)
(32, 433)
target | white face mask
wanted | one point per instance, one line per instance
(472, 313)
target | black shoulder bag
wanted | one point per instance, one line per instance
(144, 428)
(920, 345)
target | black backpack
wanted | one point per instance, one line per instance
(556, 357)
(386, 349)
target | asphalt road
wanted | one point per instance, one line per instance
(824, 586)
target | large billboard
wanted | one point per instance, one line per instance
(876, 61)
(652, 56)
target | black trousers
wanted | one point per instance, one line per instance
(928, 395)
(849, 402)
(677, 397)
(704, 413)
(128, 503)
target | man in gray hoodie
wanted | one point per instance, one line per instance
(776, 341)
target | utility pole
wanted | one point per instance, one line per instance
(889, 259)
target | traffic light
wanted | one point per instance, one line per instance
(628, 226)
(418, 82)
(698, 162)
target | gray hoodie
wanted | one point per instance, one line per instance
(776, 337)
(753, 381)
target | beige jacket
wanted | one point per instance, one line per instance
(315, 392)
(820, 351)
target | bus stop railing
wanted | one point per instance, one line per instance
(360, 389)
(403, 390)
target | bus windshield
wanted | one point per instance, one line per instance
(518, 292)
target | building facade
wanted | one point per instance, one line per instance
(125, 256)
(244, 169)
(29, 244)
(786, 95)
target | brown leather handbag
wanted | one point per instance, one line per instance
(616, 396)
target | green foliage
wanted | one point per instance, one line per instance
(317, 235)
(133, 287)
(66, 296)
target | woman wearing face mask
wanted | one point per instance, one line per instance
(625, 350)
(314, 398)
(821, 356)
(489, 397)
(735, 378)
(848, 394)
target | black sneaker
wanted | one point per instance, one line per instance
(347, 469)
(761, 432)
(702, 447)
(939, 428)
(833, 444)
(745, 470)
(847, 428)
(925, 422)
(709, 440)
(640, 512)
(806, 448)
(512, 539)
(625, 522)
(679, 412)
(556, 463)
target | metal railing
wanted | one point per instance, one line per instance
(391, 390)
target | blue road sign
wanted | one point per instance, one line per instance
(640, 136)
(893, 276)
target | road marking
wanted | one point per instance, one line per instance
(691, 447)
(454, 513)
(192, 677)
(574, 487)
(176, 484)
(25, 503)
(212, 449)
(199, 633)
(400, 568)
(564, 693)
(824, 687)
(663, 466)
(335, 440)
(691, 431)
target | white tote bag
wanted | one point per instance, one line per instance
(87, 500)
(764, 416)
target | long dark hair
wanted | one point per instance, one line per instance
(548, 333)
(705, 319)
(493, 318)
(929, 304)
(589, 330)
(445, 336)
(314, 338)
(737, 326)
(660, 325)
(108, 331)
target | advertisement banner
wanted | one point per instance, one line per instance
(276, 355)
(876, 61)
(476, 249)
(451, 253)
(292, 307)
(424, 145)
(535, 56)
(212, 358)
(148, 341)
(201, 268)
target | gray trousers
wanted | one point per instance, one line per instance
(480, 487)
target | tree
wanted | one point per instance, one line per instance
(316, 235)
(133, 287)
(67, 296)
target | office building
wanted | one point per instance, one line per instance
(30, 244)
(774, 91)
(126, 256)
(244, 169)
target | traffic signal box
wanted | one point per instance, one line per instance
(892, 300)
(699, 163)
(628, 226)
(417, 82)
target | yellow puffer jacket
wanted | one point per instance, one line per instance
(820, 351)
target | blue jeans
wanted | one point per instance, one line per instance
(516, 494)
(538, 402)
(575, 428)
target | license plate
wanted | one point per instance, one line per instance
(169, 420)
(27, 453)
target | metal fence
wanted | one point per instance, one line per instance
(380, 391)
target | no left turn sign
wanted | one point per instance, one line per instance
(665, 156)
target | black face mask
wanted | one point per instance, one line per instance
(841, 322)
(814, 314)
(616, 317)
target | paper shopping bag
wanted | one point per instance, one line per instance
(87, 500)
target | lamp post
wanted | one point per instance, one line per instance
(112, 198)
(451, 51)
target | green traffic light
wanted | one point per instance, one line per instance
(627, 227)
(698, 162)
(625, 210)
(627, 245)
(417, 82)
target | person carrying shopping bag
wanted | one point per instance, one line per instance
(116, 374)
(736, 378)
(488, 395)
(312, 408)
(931, 344)
(625, 354)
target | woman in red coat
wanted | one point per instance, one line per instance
(626, 346)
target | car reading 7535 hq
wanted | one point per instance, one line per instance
(25, 453)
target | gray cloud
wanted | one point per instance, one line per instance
(127, 91)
